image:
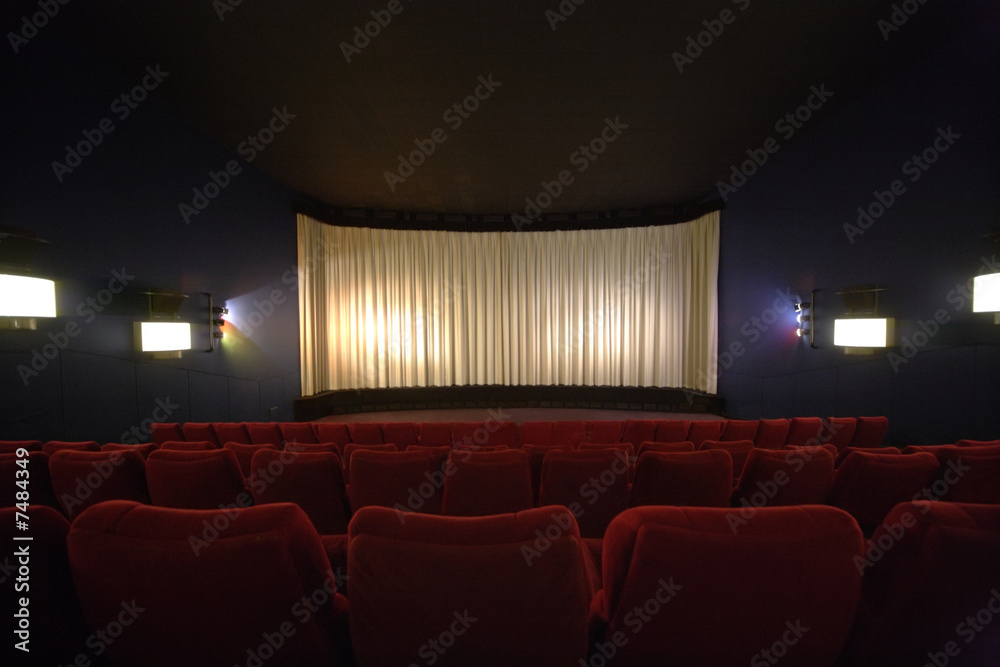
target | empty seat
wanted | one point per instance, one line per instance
(332, 432)
(189, 445)
(366, 433)
(476, 448)
(350, 448)
(605, 431)
(569, 433)
(314, 482)
(199, 431)
(487, 483)
(771, 433)
(970, 475)
(738, 450)
(870, 431)
(161, 432)
(82, 479)
(11, 446)
(840, 431)
(702, 430)
(627, 447)
(469, 434)
(502, 433)
(231, 432)
(536, 454)
(828, 447)
(39, 484)
(56, 630)
(847, 451)
(977, 443)
(401, 434)
(805, 431)
(435, 434)
(685, 446)
(672, 568)
(220, 587)
(143, 449)
(265, 433)
(699, 479)
(196, 480)
(785, 477)
(297, 432)
(486, 583)
(439, 453)
(672, 430)
(535, 433)
(868, 485)
(53, 446)
(314, 448)
(930, 587)
(736, 429)
(636, 431)
(593, 484)
(245, 453)
(407, 481)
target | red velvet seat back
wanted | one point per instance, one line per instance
(83, 479)
(536, 454)
(868, 485)
(469, 434)
(315, 448)
(593, 484)
(487, 483)
(736, 429)
(439, 453)
(40, 490)
(199, 431)
(677, 565)
(931, 569)
(245, 453)
(652, 446)
(605, 431)
(978, 443)
(57, 630)
(771, 433)
(196, 480)
(699, 479)
(805, 431)
(535, 433)
(143, 449)
(231, 432)
(11, 446)
(352, 447)
(870, 431)
(53, 446)
(847, 451)
(702, 430)
(160, 432)
(636, 431)
(366, 433)
(332, 432)
(503, 434)
(569, 433)
(297, 432)
(401, 434)
(785, 477)
(672, 430)
(840, 431)
(435, 434)
(531, 608)
(265, 433)
(188, 446)
(971, 475)
(314, 482)
(207, 586)
(738, 450)
(406, 481)
(627, 447)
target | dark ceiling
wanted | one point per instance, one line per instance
(231, 64)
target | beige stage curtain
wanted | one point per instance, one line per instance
(616, 307)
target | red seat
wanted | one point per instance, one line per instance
(483, 581)
(771, 433)
(83, 479)
(930, 578)
(439, 453)
(469, 434)
(536, 455)
(366, 433)
(686, 446)
(314, 448)
(868, 485)
(314, 482)
(698, 479)
(569, 433)
(350, 448)
(56, 630)
(407, 481)
(39, 483)
(805, 431)
(53, 446)
(401, 434)
(196, 480)
(636, 431)
(673, 569)
(297, 432)
(702, 430)
(672, 430)
(605, 431)
(840, 431)
(978, 443)
(738, 450)
(535, 433)
(199, 431)
(828, 447)
(143, 449)
(785, 477)
(208, 587)
(335, 432)
(593, 484)
(245, 453)
(970, 475)
(627, 447)
(231, 432)
(847, 451)
(188, 446)
(503, 433)
(11, 446)
(265, 433)
(435, 434)
(870, 431)
(162, 432)
(736, 429)
(487, 483)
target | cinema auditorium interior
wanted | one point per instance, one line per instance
(535, 333)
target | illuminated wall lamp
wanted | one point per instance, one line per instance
(807, 324)
(23, 298)
(986, 295)
(216, 320)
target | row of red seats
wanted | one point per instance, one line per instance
(795, 586)
(767, 433)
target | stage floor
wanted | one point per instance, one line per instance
(518, 415)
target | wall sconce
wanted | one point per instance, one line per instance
(806, 319)
(216, 320)
(23, 298)
(857, 333)
(160, 335)
(986, 288)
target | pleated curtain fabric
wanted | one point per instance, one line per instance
(616, 307)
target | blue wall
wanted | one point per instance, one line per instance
(119, 211)
(784, 230)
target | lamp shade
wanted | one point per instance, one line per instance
(986, 293)
(164, 336)
(22, 296)
(864, 332)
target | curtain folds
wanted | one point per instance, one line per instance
(615, 307)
